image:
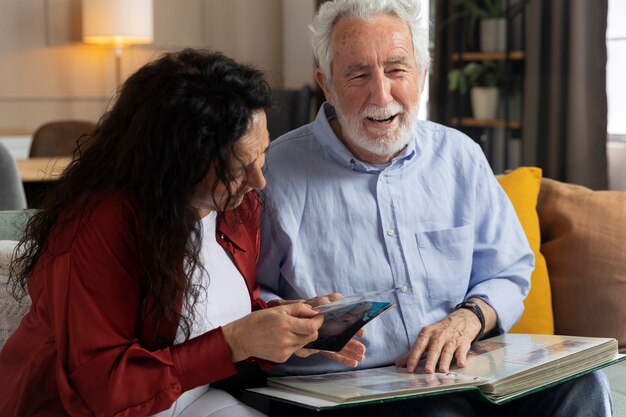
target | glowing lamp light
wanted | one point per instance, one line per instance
(117, 23)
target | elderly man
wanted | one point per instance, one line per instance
(367, 197)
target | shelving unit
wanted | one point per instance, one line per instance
(496, 136)
(488, 56)
(486, 123)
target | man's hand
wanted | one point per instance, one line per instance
(352, 353)
(447, 339)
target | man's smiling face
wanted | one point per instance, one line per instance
(375, 84)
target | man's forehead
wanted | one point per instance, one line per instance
(351, 33)
(356, 56)
(349, 24)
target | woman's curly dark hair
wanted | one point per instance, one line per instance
(172, 119)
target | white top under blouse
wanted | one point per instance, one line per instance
(223, 298)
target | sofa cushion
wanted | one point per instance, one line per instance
(11, 312)
(522, 187)
(13, 222)
(6, 253)
(584, 242)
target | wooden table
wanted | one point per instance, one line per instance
(41, 169)
(38, 174)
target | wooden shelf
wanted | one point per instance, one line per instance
(486, 123)
(488, 56)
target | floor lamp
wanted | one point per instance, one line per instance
(117, 23)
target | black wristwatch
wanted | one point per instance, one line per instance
(474, 308)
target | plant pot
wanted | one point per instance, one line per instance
(493, 34)
(484, 102)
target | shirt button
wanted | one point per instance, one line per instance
(404, 288)
(391, 232)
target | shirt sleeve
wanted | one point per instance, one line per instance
(93, 279)
(502, 259)
(271, 254)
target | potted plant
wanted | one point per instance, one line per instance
(483, 81)
(492, 16)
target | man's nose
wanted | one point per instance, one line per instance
(380, 89)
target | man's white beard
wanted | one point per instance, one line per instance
(378, 142)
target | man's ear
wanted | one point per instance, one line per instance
(321, 81)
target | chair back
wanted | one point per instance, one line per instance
(12, 196)
(59, 138)
(292, 110)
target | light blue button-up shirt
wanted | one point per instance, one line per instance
(434, 220)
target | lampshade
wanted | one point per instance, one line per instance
(117, 22)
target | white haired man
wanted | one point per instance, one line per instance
(367, 198)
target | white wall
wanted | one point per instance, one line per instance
(616, 155)
(47, 74)
(298, 62)
(616, 67)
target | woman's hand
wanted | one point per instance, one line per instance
(313, 302)
(276, 303)
(273, 334)
(351, 354)
(323, 299)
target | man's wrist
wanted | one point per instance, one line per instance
(474, 308)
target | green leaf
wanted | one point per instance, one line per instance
(476, 74)
(453, 80)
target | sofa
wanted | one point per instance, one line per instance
(578, 286)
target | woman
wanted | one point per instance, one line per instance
(141, 263)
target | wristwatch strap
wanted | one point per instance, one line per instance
(474, 308)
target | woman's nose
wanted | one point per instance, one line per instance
(256, 179)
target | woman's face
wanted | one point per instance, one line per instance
(246, 166)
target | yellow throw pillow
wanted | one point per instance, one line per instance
(522, 187)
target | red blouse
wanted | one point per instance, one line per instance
(82, 349)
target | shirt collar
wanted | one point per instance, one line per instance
(338, 151)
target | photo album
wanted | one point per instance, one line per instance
(498, 370)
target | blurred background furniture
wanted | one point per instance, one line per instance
(292, 110)
(41, 169)
(12, 195)
(59, 138)
(12, 224)
(38, 174)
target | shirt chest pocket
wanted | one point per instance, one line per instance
(446, 256)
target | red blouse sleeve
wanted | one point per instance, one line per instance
(90, 287)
